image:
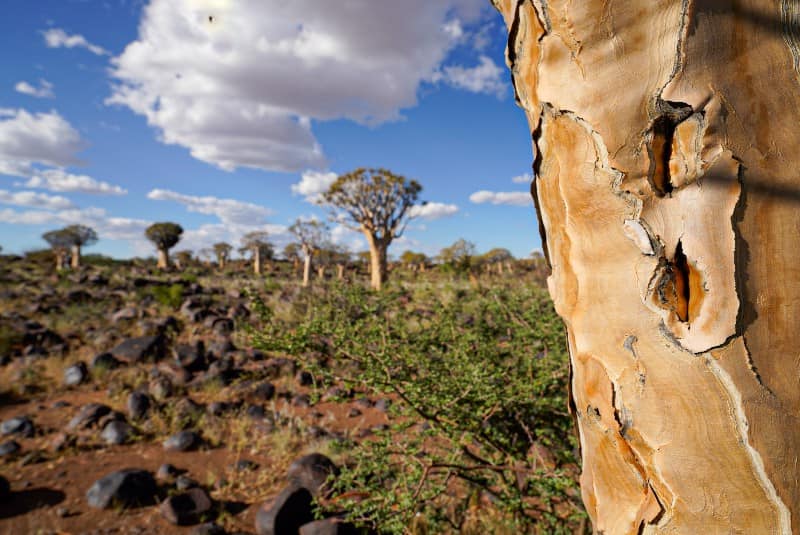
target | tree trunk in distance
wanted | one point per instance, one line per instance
(163, 259)
(377, 261)
(221, 261)
(59, 260)
(257, 261)
(76, 256)
(340, 271)
(306, 268)
(666, 183)
(321, 272)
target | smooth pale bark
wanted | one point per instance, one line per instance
(321, 272)
(76, 256)
(221, 261)
(59, 260)
(666, 139)
(340, 272)
(306, 268)
(163, 258)
(257, 260)
(377, 260)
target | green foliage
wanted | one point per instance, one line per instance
(478, 380)
(170, 296)
(164, 235)
(458, 257)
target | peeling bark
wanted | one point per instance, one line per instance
(665, 139)
(163, 259)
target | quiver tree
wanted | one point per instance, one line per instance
(164, 236)
(60, 242)
(184, 257)
(79, 236)
(414, 261)
(497, 257)
(292, 253)
(260, 248)
(375, 202)
(458, 256)
(223, 252)
(666, 159)
(310, 235)
(332, 254)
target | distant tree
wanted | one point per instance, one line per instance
(310, 235)
(498, 257)
(223, 252)
(458, 256)
(79, 236)
(377, 203)
(164, 236)
(60, 241)
(332, 254)
(292, 253)
(259, 246)
(414, 260)
(183, 258)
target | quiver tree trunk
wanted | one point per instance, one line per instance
(306, 268)
(76, 256)
(163, 258)
(377, 261)
(340, 272)
(60, 259)
(666, 160)
(257, 260)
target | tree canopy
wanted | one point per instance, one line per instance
(164, 235)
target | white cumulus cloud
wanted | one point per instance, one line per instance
(432, 210)
(229, 211)
(45, 89)
(43, 138)
(58, 38)
(60, 180)
(240, 83)
(527, 178)
(485, 77)
(513, 198)
(34, 199)
(313, 184)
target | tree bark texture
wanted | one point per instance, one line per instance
(377, 261)
(257, 260)
(163, 258)
(306, 268)
(666, 138)
(76, 256)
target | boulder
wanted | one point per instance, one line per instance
(290, 510)
(116, 432)
(140, 349)
(19, 425)
(182, 441)
(105, 361)
(125, 488)
(139, 404)
(87, 416)
(311, 472)
(76, 374)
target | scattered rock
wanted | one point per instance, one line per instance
(191, 357)
(328, 526)
(182, 441)
(311, 472)
(301, 400)
(116, 432)
(138, 405)
(209, 528)
(265, 391)
(76, 374)
(186, 508)
(87, 416)
(127, 313)
(160, 388)
(290, 510)
(304, 378)
(166, 472)
(140, 349)
(383, 404)
(105, 361)
(9, 448)
(5, 488)
(20, 425)
(354, 413)
(184, 482)
(244, 465)
(126, 488)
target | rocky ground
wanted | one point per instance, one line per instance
(134, 403)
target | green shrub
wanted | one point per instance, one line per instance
(170, 296)
(480, 383)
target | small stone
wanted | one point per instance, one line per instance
(105, 361)
(183, 482)
(62, 512)
(76, 374)
(301, 400)
(20, 425)
(138, 405)
(328, 526)
(304, 378)
(383, 404)
(182, 441)
(160, 388)
(140, 349)
(265, 391)
(209, 528)
(88, 415)
(9, 448)
(256, 412)
(354, 413)
(244, 465)
(166, 472)
(186, 508)
(116, 432)
(126, 488)
(5, 488)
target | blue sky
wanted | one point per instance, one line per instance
(228, 116)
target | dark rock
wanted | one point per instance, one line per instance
(315, 431)
(20, 425)
(383, 404)
(265, 391)
(222, 327)
(209, 528)
(328, 526)
(364, 403)
(160, 388)
(304, 378)
(311, 472)
(301, 400)
(5, 488)
(140, 349)
(76, 374)
(186, 508)
(290, 510)
(354, 413)
(87, 416)
(9, 448)
(191, 357)
(116, 432)
(138, 405)
(188, 411)
(105, 361)
(166, 472)
(126, 488)
(218, 408)
(60, 404)
(244, 465)
(256, 412)
(221, 348)
(184, 482)
(182, 441)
